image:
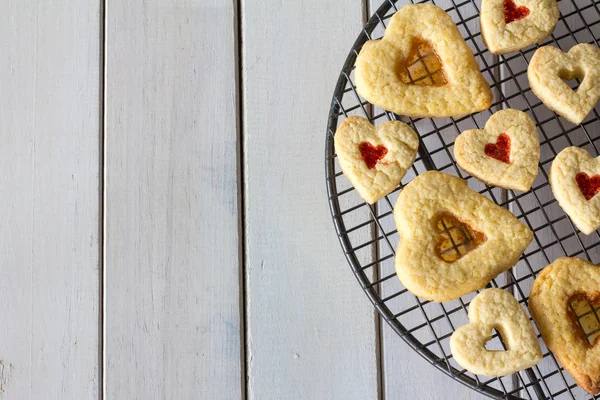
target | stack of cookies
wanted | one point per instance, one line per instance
(454, 241)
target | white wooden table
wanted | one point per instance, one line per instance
(165, 232)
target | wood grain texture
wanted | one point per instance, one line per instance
(311, 331)
(406, 374)
(172, 257)
(50, 199)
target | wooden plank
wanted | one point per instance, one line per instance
(50, 199)
(400, 362)
(172, 244)
(311, 332)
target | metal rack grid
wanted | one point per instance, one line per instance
(367, 233)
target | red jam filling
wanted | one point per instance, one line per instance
(513, 13)
(589, 186)
(499, 150)
(371, 154)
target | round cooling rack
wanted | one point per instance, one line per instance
(368, 235)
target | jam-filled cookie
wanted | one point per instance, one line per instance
(496, 309)
(505, 153)
(453, 240)
(575, 181)
(550, 303)
(549, 66)
(375, 159)
(508, 25)
(422, 67)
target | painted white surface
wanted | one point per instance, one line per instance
(172, 299)
(49, 185)
(310, 329)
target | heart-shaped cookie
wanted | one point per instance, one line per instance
(508, 26)
(375, 159)
(386, 76)
(496, 309)
(486, 239)
(505, 153)
(575, 181)
(553, 290)
(549, 66)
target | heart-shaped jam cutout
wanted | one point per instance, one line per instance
(371, 154)
(589, 186)
(423, 66)
(513, 13)
(499, 150)
(455, 238)
(584, 309)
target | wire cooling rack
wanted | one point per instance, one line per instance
(367, 233)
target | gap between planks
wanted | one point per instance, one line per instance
(102, 184)
(377, 319)
(238, 21)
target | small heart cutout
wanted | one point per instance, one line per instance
(453, 240)
(371, 154)
(506, 27)
(509, 159)
(389, 75)
(513, 13)
(499, 150)
(550, 302)
(549, 66)
(375, 159)
(496, 309)
(589, 186)
(575, 181)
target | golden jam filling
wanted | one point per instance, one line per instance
(455, 238)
